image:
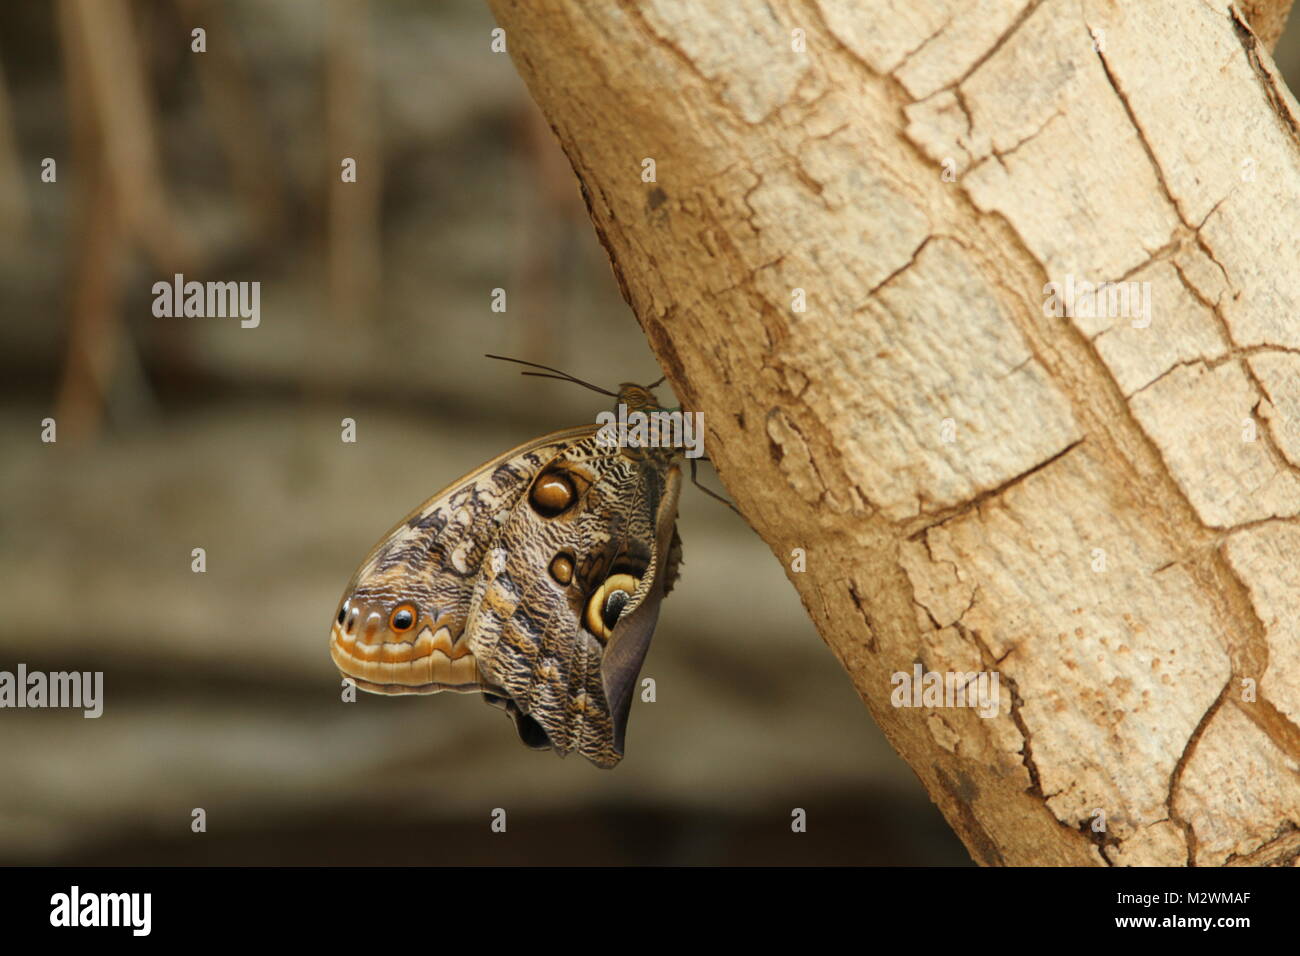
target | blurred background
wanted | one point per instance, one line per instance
(183, 433)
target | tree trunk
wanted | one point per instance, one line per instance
(841, 254)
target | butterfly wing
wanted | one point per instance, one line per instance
(428, 564)
(621, 664)
(562, 615)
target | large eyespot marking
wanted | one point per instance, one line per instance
(562, 568)
(343, 612)
(606, 604)
(552, 494)
(403, 618)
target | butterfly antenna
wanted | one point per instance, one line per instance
(570, 378)
(559, 375)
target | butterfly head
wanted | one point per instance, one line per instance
(638, 398)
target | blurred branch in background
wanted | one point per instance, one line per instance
(94, 322)
(13, 203)
(101, 34)
(237, 120)
(120, 195)
(354, 266)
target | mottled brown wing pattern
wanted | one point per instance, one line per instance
(531, 627)
(536, 579)
(427, 565)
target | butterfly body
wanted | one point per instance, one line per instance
(534, 580)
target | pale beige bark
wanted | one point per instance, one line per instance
(1106, 515)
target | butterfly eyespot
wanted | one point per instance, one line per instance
(402, 618)
(615, 601)
(562, 568)
(552, 494)
(343, 612)
(606, 605)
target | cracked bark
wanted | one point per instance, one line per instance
(1103, 513)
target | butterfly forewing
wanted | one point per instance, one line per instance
(427, 565)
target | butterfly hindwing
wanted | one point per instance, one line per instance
(562, 668)
(621, 664)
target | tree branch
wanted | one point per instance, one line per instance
(843, 259)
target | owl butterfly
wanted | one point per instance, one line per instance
(534, 580)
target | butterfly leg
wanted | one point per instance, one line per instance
(712, 494)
